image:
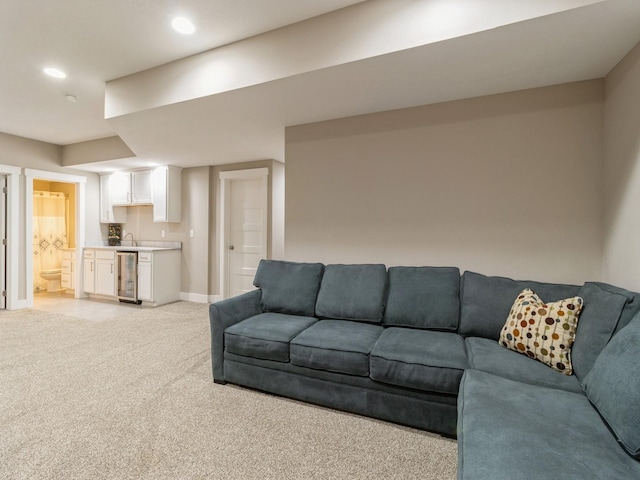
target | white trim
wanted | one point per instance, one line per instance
(80, 183)
(13, 237)
(245, 174)
(54, 176)
(223, 217)
(194, 297)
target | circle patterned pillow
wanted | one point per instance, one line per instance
(543, 331)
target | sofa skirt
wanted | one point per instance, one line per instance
(413, 411)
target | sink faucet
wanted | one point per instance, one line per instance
(133, 242)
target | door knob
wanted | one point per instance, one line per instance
(231, 247)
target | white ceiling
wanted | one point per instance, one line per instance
(99, 41)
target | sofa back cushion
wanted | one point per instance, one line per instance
(352, 292)
(487, 301)
(613, 386)
(289, 287)
(601, 312)
(423, 297)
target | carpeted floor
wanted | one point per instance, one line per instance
(132, 397)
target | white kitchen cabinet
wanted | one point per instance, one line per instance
(68, 276)
(105, 283)
(159, 276)
(109, 213)
(89, 271)
(100, 272)
(145, 279)
(131, 188)
(166, 183)
(141, 187)
(120, 188)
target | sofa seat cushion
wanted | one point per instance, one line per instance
(337, 346)
(419, 359)
(423, 297)
(489, 356)
(509, 429)
(352, 292)
(487, 301)
(266, 335)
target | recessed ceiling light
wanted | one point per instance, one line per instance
(55, 72)
(183, 25)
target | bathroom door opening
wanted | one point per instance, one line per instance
(76, 185)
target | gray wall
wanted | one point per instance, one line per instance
(622, 173)
(505, 184)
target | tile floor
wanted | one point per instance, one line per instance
(84, 308)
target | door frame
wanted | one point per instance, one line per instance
(224, 218)
(80, 183)
(13, 236)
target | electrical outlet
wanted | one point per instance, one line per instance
(162, 234)
(191, 233)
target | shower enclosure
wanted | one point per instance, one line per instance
(50, 233)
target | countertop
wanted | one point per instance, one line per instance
(141, 246)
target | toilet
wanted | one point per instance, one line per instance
(53, 279)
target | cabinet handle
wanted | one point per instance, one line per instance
(91, 267)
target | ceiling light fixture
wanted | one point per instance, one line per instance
(183, 25)
(55, 72)
(71, 98)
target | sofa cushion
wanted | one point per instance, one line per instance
(352, 292)
(289, 287)
(486, 301)
(420, 359)
(336, 345)
(600, 315)
(489, 356)
(423, 297)
(509, 429)
(543, 331)
(613, 386)
(265, 336)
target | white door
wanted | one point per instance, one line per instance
(245, 228)
(3, 241)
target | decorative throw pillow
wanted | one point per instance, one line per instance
(544, 331)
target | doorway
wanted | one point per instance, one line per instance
(3, 241)
(243, 228)
(72, 184)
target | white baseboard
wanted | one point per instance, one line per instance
(194, 297)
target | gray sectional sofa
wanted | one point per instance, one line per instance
(419, 346)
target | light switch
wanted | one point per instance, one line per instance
(162, 234)
(191, 233)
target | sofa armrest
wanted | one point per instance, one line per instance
(222, 315)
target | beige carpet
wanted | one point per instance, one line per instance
(133, 398)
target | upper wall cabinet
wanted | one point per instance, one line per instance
(131, 188)
(109, 213)
(167, 194)
(160, 187)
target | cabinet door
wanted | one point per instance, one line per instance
(141, 187)
(109, 214)
(120, 188)
(89, 276)
(166, 184)
(159, 184)
(145, 291)
(105, 277)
